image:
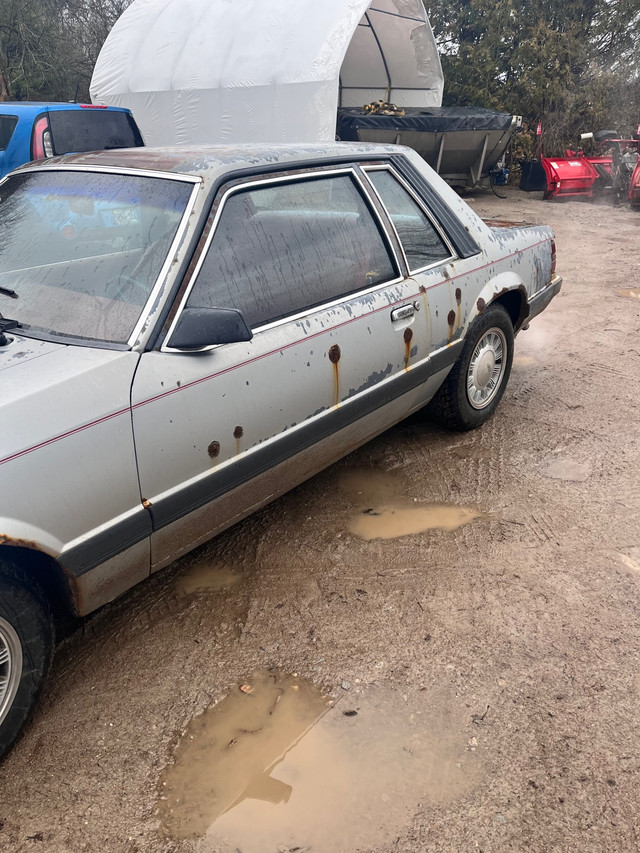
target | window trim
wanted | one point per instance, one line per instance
(218, 205)
(420, 203)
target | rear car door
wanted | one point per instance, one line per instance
(333, 361)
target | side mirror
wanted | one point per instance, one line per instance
(198, 328)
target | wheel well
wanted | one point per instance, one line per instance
(515, 304)
(48, 575)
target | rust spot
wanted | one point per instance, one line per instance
(445, 273)
(238, 432)
(334, 354)
(146, 503)
(458, 295)
(481, 305)
(18, 543)
(214, 449)
(451, 318)
(408, 335)
(423, 289)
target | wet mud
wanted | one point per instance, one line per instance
(277, 766)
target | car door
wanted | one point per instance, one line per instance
(428, 252)
(221, 431)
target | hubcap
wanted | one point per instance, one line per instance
(10, 666)
(486, 368)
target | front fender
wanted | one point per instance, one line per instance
(20, 534)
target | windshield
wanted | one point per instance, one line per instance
(83, 250)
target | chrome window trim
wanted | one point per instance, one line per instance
(262, 182)
(436, 225)
(145, 310)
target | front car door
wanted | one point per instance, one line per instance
(337, 354)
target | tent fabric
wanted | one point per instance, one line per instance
(224, 71)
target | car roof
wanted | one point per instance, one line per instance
(213, 161)
(18, 107)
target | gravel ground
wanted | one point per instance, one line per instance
(502, 655)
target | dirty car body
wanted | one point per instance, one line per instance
(190, 333)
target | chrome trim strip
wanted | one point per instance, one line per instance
(305, 312)
(421, 205)
(145, 313)
(113, 170)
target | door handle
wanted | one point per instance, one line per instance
(404, 313)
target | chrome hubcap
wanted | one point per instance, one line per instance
(486, 369)
(10, 666)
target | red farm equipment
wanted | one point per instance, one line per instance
(611, 168)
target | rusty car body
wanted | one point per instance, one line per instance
(189, 333)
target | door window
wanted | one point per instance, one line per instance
(7, 126)
(281, 248)
(422, 242)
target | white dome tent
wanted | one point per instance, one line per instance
(223, 71)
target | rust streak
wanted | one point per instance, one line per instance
(408, 335)
(334, 358)
(237, 434)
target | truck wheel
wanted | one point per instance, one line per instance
(471, 392)
(26, 646)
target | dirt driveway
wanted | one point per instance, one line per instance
(466, 689)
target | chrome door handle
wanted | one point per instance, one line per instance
(403, 313)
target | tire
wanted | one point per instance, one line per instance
(26, 647)
(473, 389)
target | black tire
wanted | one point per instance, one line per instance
(26, 647)
(465, 400)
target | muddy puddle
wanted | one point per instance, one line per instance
(205, 576)
(631, 559)
(567, 469)
(391, 522)
(524, 360)
(389, 513)
(629, 292)
(275, 766)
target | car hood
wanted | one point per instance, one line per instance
(27, 365)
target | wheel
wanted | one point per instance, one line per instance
(26, 646)
(471, 392)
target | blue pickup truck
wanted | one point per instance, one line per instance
(30, 130)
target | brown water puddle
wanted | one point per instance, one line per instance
(276, 768)
(629, 292)
(204, 576)
(388, 513)
(567, 469)
(391, 522)
(524, 360)
(631, 559)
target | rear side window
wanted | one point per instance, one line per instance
(92, 130)
(422, 242)
(282, 248)
(7, 126)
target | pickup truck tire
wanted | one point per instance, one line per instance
(26, 647)
(471, 392)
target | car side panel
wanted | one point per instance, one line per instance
(67, 456)
(206, 423)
